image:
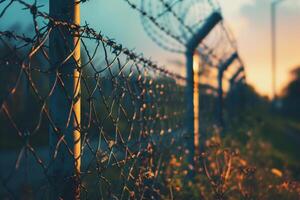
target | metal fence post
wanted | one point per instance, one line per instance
(220, 98)
(65, 106)
(235, 75)
(192, 87)
(222, 68)
(190, 110)
(196, 68)
(193, 107)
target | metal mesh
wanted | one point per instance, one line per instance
(129, 125)
(131, 115)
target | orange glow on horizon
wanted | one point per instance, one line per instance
(250, 21)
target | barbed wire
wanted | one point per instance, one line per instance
(162, 32)
(132, 116)
(131, 107)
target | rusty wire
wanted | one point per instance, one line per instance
(133, 112)
(172, 23)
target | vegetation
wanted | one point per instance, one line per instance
(257, 159)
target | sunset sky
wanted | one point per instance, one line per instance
(249, 19)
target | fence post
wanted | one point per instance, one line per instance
(220, 98)
(193, 98)
(65, 106)
(196, 94)
(235, 75)
(221, 69)
(190, 110)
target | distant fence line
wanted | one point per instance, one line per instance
(197, 30)
(81, 116)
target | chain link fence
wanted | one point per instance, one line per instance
(81, 116)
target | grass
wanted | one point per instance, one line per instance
(276, 139)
